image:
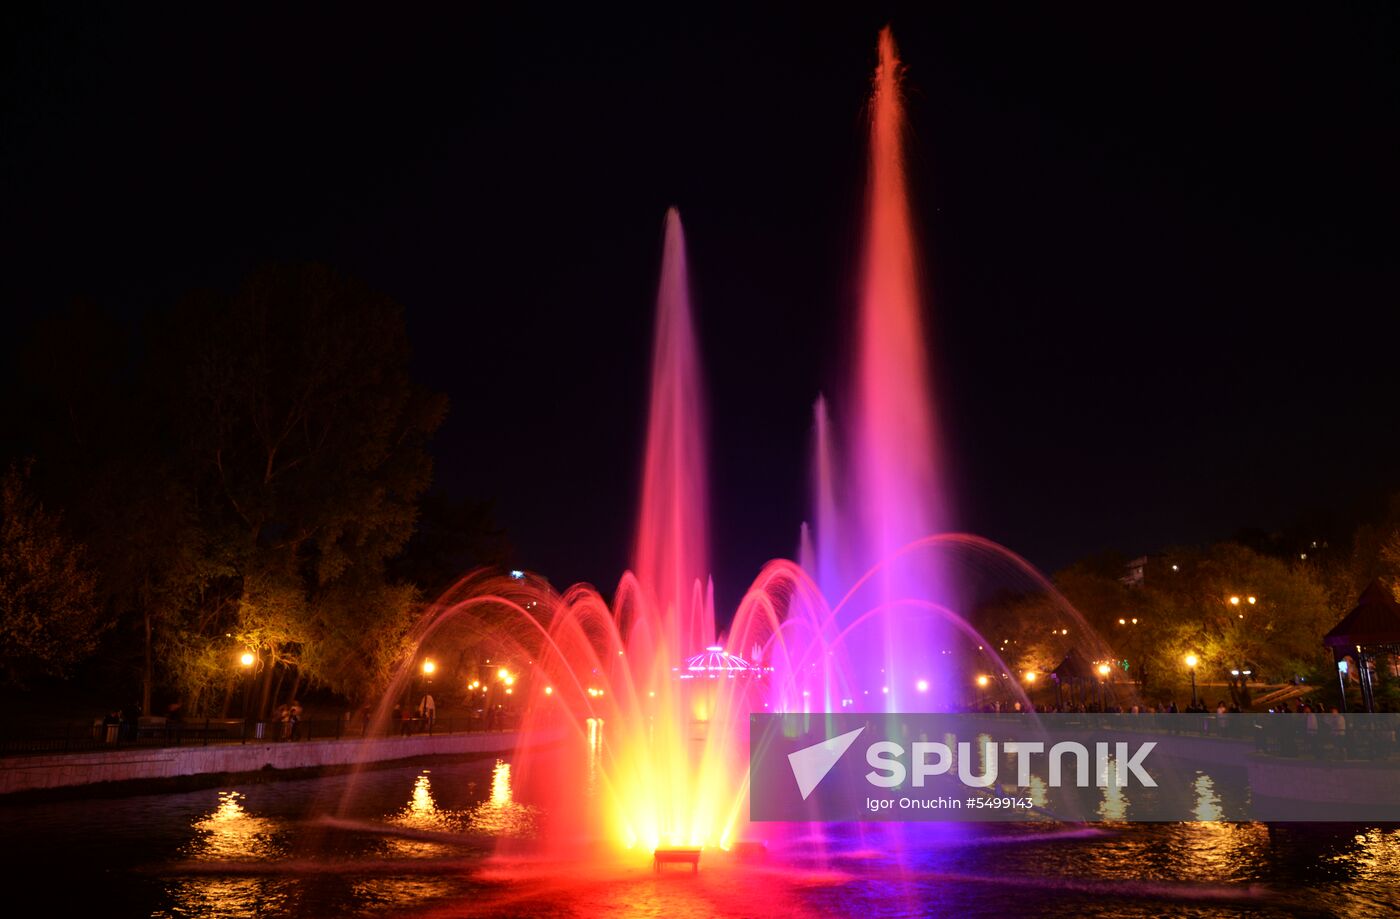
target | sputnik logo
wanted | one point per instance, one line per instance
(811, 764)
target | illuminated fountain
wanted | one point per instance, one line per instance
(643, 689)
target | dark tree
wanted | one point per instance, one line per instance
(49, 617)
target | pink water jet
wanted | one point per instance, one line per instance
(892, 488)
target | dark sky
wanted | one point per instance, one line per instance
(1161, 241)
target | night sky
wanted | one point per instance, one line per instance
(1161, 244)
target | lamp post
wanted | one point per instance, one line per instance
(1191, 662)
(427, 710)
(981, 685)
(247, 660)
(1103, 681)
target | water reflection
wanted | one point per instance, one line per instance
(501, 814)
(1207, 801)
(227, 834)
(1204, 870)
(1114, 805)
(231, 832)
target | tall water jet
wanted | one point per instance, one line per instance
(671, 554)
(893, 487)
(825, 566)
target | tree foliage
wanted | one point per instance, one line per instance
(49, 617)
(247, 477)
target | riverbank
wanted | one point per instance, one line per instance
(140, 771)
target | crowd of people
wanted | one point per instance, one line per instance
(1320, 732)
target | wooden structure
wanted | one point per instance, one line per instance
(1372, 628)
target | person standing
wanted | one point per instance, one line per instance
(427, 710)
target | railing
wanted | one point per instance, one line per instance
(91, 736)
(1284, 734)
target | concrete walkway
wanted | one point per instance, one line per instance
(69, 770)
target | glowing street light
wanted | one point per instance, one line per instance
(1234, 601)
(428, 668)
(921, 686)
(1030, 676)
(1103, 669)
(1191, 662)
(982, 679)
(1251, 600)
(247, 659)
(549, 690)
(502, 673)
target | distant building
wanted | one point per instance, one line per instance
(1133, 572)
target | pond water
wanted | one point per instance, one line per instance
(263, 849)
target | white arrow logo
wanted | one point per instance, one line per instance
(811, 764)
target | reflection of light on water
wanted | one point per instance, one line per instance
(422, 811)
(231, 832)
(500, 784)
(228, 833)
(1114, 805)
(1038, 792)
(502, 815)
(1207, 801)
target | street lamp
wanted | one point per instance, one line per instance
(428, 668)
(1103, 681)
(248, 659)
(1191, 662)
